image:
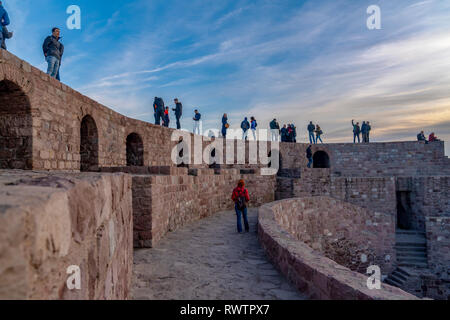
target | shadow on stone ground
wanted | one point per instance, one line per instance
(209, 260)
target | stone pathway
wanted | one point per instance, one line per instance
(209, 260)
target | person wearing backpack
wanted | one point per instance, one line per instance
(356, 131)
(319, 133)
(254, 124)
(158, 106)
(241, 198)
(245, 125)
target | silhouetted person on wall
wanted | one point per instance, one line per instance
(369, 128)
(197, 118)
(225, 125)
(245, 126)
(309, 156)
(311, 129)
(356, 132)
(4, 21)
(254, 125)
(421, 137)
(284, 134)
(319, 133)
(275, 129)
(241, 198)
(53, 52)
(166, 118)
(158, 106)
(178, 112)
(364, 132)
(433, 138)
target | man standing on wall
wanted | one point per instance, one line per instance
(4, 21)
(275, 129)
(356, 131)
(311, 129)
(197, 118)
(158, 106)
(369, 128)
(178, 112)
(245, 126)
(53, 52)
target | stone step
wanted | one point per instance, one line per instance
(403, 272)
(400, 276)
(397, 279)
(411, 244)
(393, 282)
(411, 249)
(413, 259)
(411, 233)
(412, 254)
(413, 264)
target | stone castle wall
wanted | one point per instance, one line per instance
(341, 231)
(49, 222)
(165, 201)
(57, 116)
(309, 269)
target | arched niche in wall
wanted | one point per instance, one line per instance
(89, 144)
(16, 134)
(321, 160)
(135, 150)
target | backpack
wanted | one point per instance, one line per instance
(241, 205)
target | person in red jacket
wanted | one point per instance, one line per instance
(432, 138)
(241, 198)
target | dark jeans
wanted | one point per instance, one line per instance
(312, 139)
(159, 114)
(178, 123)
(356, 135)
(310, 162)
(239, 215)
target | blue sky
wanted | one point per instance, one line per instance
(293, 60)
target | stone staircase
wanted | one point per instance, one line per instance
(398, 278)
(411, 247)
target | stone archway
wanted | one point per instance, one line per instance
(135, 150)
(321, 160)
(16, 134)
(89, 144)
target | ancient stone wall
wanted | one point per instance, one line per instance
(169, 198)
(309, 269)
(373, 160)
(60, 119)
(49, 222)
(438, 242)
(377, 194)
(341, 231)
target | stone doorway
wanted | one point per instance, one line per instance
(404, 211)
(16, 134)
(89, 144)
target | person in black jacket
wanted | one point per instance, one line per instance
(159, 108)
(53, 52)
(356, 131)
(309, 156)
(178, 112)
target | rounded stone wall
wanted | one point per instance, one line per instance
(320, 243)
